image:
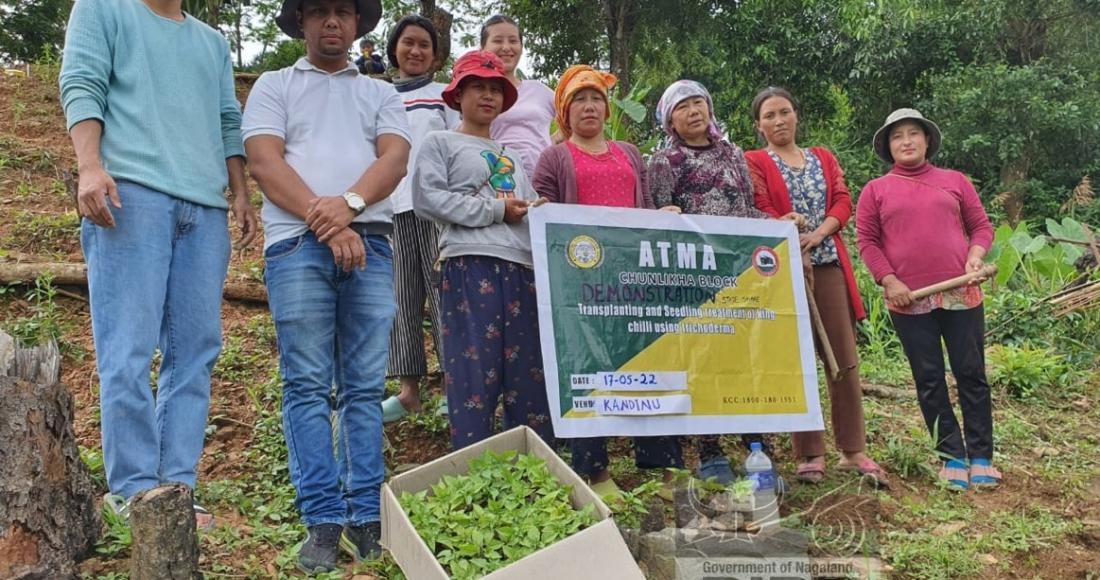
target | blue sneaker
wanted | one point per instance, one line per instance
(716, 469)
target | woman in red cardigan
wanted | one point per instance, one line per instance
(808, 184)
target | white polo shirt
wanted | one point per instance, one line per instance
(330, 124)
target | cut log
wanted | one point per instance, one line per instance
(64, 273)
(76, 274)
(48, 519)
(884, 392)
(165, 545)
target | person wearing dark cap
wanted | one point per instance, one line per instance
(328, 146)
(919, 225)
(368, 62)
(477, 191)
(411, 49)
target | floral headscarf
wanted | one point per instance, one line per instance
(677, 92)
(572, 81)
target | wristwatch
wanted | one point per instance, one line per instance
(355, 202)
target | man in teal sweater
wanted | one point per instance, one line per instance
(149, 100)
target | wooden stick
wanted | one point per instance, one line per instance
(987, 271)
(831, 367)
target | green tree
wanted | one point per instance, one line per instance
(30, 27)
(1027, 132)
(285, 54)
(209, 11)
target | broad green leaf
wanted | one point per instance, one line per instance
(1037, 243)
(633, 109)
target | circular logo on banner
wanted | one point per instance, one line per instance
(584, 252)
(765, 261)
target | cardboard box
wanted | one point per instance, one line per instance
(595, 552)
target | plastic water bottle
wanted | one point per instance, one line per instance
(762, 474)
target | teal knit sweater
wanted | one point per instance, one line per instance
(164, 92)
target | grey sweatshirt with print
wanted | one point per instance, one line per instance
(460, 181)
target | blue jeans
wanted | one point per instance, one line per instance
(155, 280)
(333, 328)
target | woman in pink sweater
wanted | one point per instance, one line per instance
(918, 225)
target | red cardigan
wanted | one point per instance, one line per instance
(772, 197)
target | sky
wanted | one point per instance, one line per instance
(251, 49)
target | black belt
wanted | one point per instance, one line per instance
(371, 228)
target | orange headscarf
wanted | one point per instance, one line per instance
(573, 80)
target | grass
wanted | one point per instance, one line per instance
(236, 363)
(42, 231)
(1028, 529)
(46, 322)
(931, 557)
(908, 453)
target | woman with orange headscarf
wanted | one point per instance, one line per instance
(589, 169)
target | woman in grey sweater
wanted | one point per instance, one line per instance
(477, 191)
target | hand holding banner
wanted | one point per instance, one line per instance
(666, 324)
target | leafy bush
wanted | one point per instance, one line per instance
(47, 321)
(1040, 262)
(506, 507)
(1023, 371)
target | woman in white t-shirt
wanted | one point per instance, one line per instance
(411, 49)
(525, 128)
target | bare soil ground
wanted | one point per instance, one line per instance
(1044, 522)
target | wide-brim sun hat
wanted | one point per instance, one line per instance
(881, 142)
(483, 65)
(370, 12)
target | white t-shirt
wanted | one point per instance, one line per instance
(427, 112)
(525, 128)
(330, 124)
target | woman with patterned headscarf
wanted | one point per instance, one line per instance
(700, 173)
(589, 169)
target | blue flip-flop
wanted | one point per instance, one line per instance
(983, 474)
(955, 474)
(393, 410)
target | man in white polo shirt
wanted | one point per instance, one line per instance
(327, 147)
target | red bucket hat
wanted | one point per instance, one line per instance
(484, 65)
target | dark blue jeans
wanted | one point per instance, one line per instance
(333, 329)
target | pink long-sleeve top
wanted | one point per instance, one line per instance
(919, 224)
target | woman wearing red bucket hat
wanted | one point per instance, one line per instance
(475, 189)
(483, 65)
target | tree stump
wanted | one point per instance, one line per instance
(165, 546)
(48, 518)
